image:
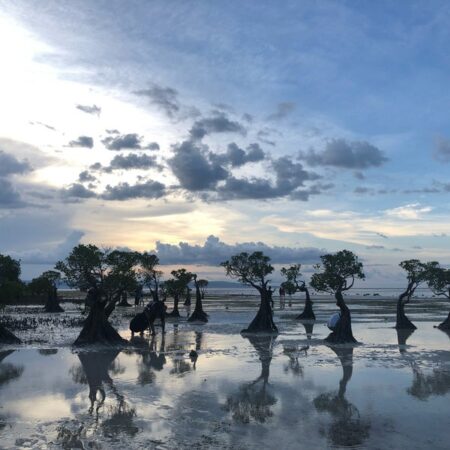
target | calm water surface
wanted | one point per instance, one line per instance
(289, 392)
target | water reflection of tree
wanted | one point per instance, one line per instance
(8, 372)
(423, 385)
(347, 427)
(180, 364)
(254, 399)
(153, 359)
(293, 352)
(95, 371)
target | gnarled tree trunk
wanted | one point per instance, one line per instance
(403, 323)
(175, 312)
(6, 337)
(96, 328)
(52, 304)
(445, 325)
(198, 314)
(263, 322)
(308, 313)
(342, 334)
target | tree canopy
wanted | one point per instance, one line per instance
(339, 271)
(251, 269)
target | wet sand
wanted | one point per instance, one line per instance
(391, 391)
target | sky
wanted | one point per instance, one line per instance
(202, 129)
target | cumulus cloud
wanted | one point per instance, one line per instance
(9, 197)
(124, 191)
(90, 109)
(195, 167)
(214, 251)
(289, 176)
(345, 154)
(132, 161)
(10, 165)
(82, 141)
(53, 254)
(218, 123)
(283, 110)
(130, 141)
(76, 192)
(442, 150)
(86, 177)
(166, 98)
(236, 156)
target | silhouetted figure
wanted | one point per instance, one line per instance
(187, 302)
(137, 295)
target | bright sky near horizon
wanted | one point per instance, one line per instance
(307, 126)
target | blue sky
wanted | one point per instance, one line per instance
(310, 125)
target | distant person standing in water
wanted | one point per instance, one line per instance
(137, 296)
(282, 293)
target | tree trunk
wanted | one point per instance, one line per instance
(96, 328)
(124, 300)
(343, 332)
(6, 337)
(403, 323)
(402, 336)
(308, 313)
(445, 325)
(52, 304)
(263, 322)
(175, 312)
(198, 314)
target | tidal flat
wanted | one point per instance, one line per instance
(260, 392)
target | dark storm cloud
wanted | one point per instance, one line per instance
(132, 161)
(130, 141)
(77, 192)
(166, 98)
(10, 165)
(282, 111)
(86, 177)
(195, 167)
(442, 150)
(345, 154)
(218, 123)
(213, 252)
(236, 156)
(314, 189)
(9, 197)
(124, 191)
(82, 141)
(90, 109)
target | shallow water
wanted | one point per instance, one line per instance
(287, 392)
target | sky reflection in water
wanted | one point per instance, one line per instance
(240, 393)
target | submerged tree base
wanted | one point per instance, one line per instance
(174, 313)
(198, 316)
(97, 329)
(403, 323)
(6, 337)
(308, 313)
(445, 325)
